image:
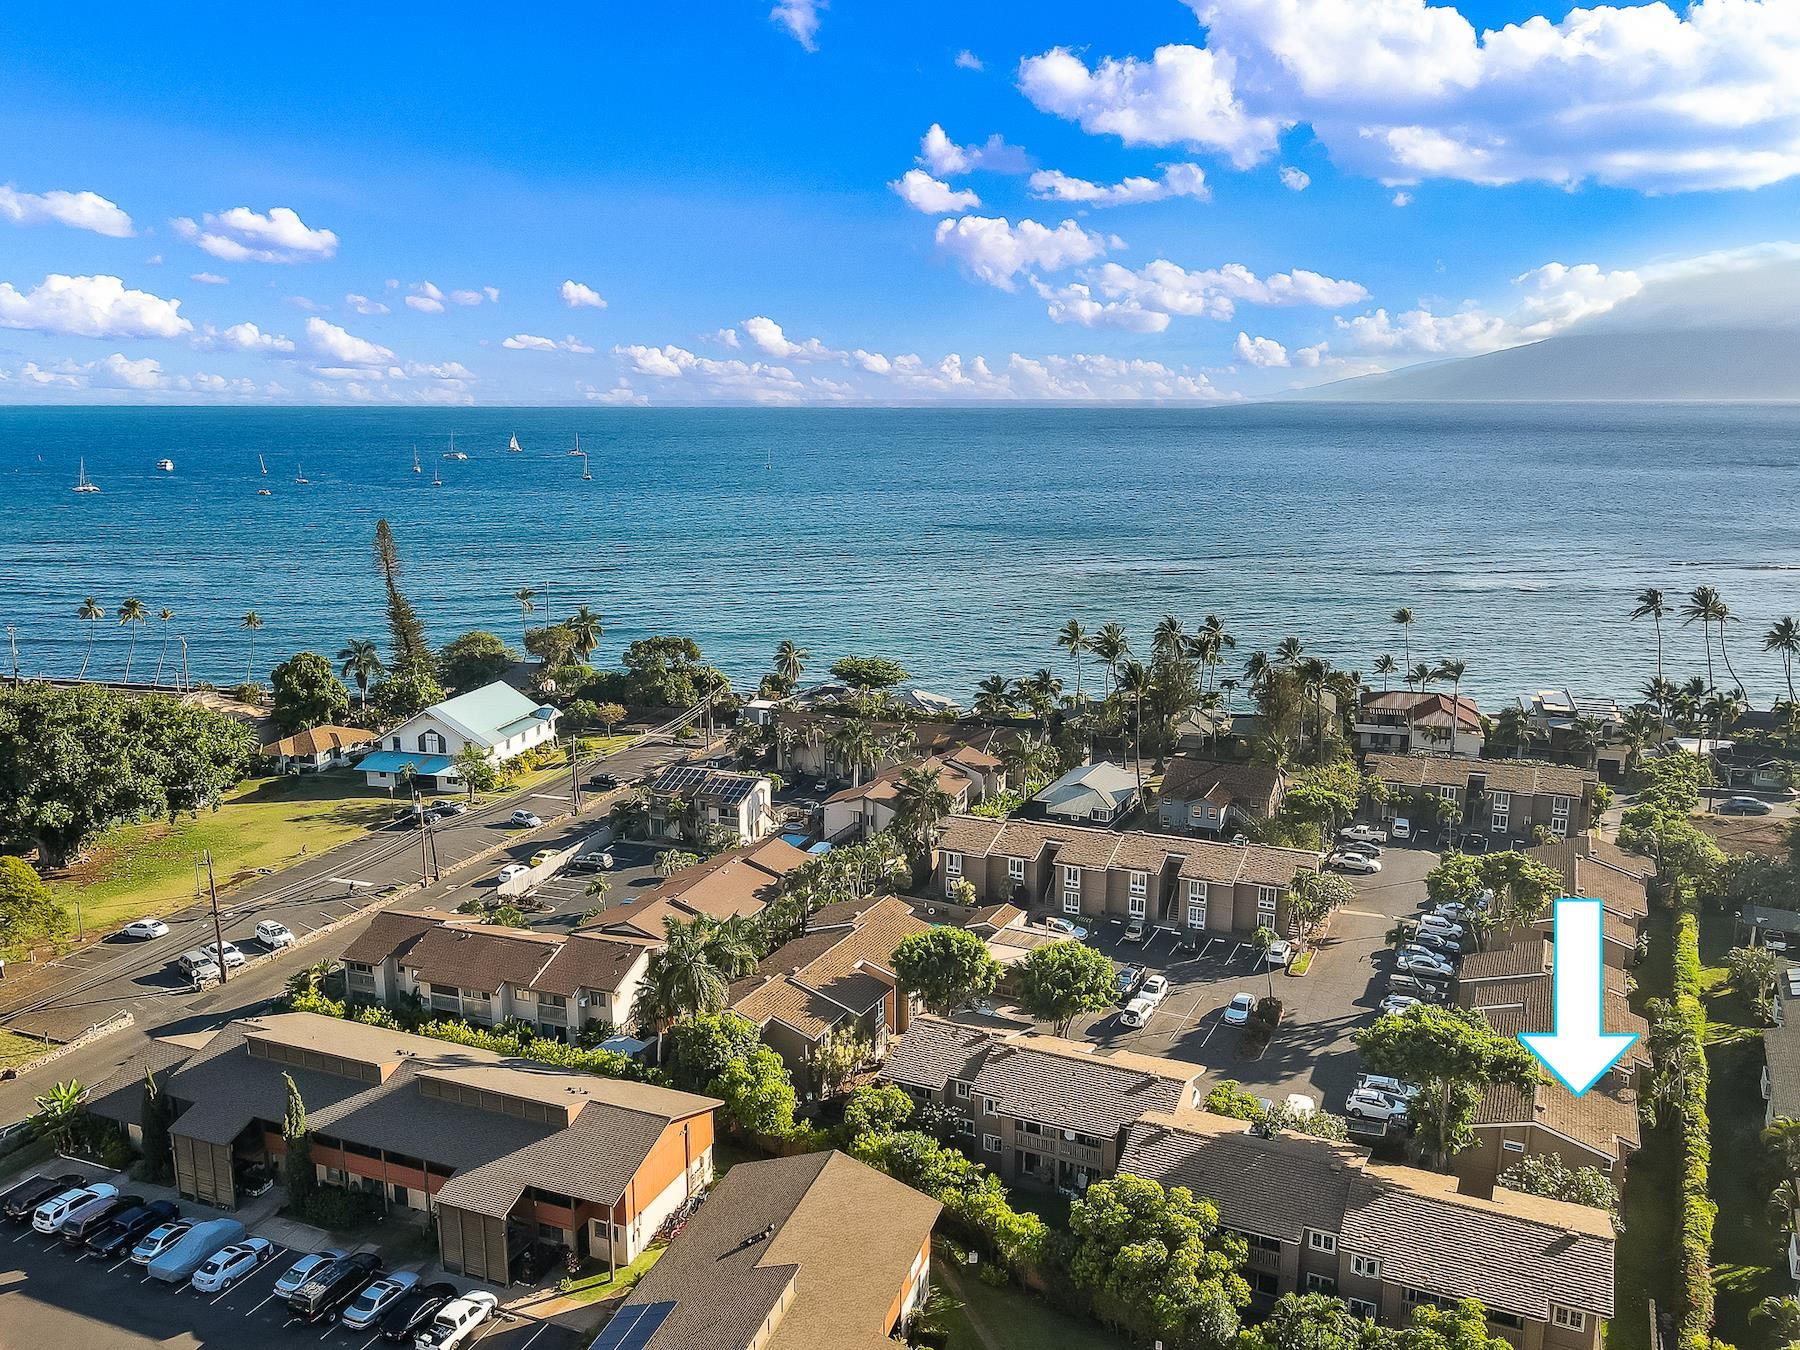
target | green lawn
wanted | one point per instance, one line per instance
(15, 1049)
(1013, 1320)
(602, 1284)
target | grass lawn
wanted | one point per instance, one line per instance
(16, 1049)
(1011, 1319)
(602, 1284)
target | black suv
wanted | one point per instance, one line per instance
(413, 1313)
(21, 1200)
(604, 782)
(75, 1232)
(333, 1285)
(121, 1232)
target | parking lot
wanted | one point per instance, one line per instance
(1312, 1051)
(50, 1297)
(633, 872)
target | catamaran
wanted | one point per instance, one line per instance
(82, 482)
(577, 449)
(300, 475)
(586, 474)
(453, 452)
(513, 447)
(437, 478)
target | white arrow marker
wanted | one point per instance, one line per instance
(1577, 1051)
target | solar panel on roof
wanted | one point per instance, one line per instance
(632, 1327)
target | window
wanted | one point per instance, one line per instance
(1312, 1283)
(1506, 1319)
(953, 864)
(1361, 1307)
(1559, 816)
(1071, 902)
(1099, 813)
(394, 744)
(1071, 878)
(965, 1127)
(1265, 905)
(1416, 1296)
(1447, 792)
(1071, 890)
(552, 1001)
(1258, 1243)
(1140, 884)
(523, 996)
(1135, 906)
(1015, 870)
(1499, 822)
(1196, 914)
(990, 1143)
(1030, 1127)
(1321, 1241)
(1569, 1319)
(1264, 1283)
(962, 1092)
(1368, 1267)
(1502, 802)
(989, 1106)
(476, 995)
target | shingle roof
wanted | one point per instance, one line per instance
(1503, 775)
(1603, 1120)
(933, 1051)
(813, 982)
(1190, 779)
(1140, 850)
(739, 881)
(1605, 875)
(1530, 955)
(1066, 1085)
(1529, 1005)
(318, 741)
(391, 933)
(120, 1096)
(478, 956)
(1781, 1047)
(591, 961)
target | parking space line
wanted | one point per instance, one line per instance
(542, 1328)
(123, 1260)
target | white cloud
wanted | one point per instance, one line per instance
(1178, 180)
(361, 304)
(873, 362)
(452, 372)
(1295, 180)
(32, 373)
(922, 192)
(78, 210)
(90, 307)
(1164, 288)
(768, 338)
(426, 298)
(473, 297)
(620, 395)
(243, 235)
(577, 296)
(801, 19)
(1260, 351)
(530, 342)
(1075, 303)
(1181, 96)
(210, 279)
(728, 336)
(994, 250)
(249, 338)
(1403, 199)
(144, 373)
(347, 350)
(727, 381)
(967, 60)
(944, 157)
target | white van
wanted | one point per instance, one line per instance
(49, 1216)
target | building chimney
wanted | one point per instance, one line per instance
(1479, 1184)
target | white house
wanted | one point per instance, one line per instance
(316, 748)
(1096, 794)
(497, 719)
(741, 804)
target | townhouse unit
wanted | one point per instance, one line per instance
(1401, 721)
(737, 883)
(1560, 718)
(1598, 1129)
(1323, 1217)
(558, 982)
(1036, 1109)
(1600, 870)
(1505, 799)
(1215, 796)
(497, 1154)
(316, 749)
(496, 720)
(835, 979)
(816, 1252)
(687, 800)
(1781, 1052)
(1101, 793)
(807, 745)
(1183, 884)
(967, 776)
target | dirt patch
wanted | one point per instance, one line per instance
(1746, 834)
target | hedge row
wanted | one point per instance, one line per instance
(1697, 1207)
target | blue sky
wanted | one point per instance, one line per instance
(1186, 202)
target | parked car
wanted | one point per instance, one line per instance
(18, 1203)
(1394, 1087)
(1125, 982)
(121, 1232)
(542, 856)
(412, 1312)
(1368, 1104)
(1744, 806)
(144, 930)
(1441, 943)
(1362, 846)
(233, 958)
(1237, 1012)
(179, 1261)
(450, 806)
(1354, 862)
(510, 871)
(377, 1299)
(411, 817)
(1418, 961)
(1419, 985)
(456, 1320)
(1057, 924)
(1474, 843)
(1134, 931)
(1363, 834)
(1280, 952)
(159, 1239)
(199, 967)
(529, 819)
(49, 1216)
(228, 1265)
(1401, 829)
(603, 782)
(599, 861)
(1398, 1003)
(93, 1216)
(274, 935)
(1138, 1012)
(1155, 987)
(1441, 923)
(331, 1286)
(301, 1271)
(1454, 910)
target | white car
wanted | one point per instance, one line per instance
(1437, 923)
(1363, 834)
(1138, 1012)
(1441, 943)
(228, 1265)
(1354, 862)
(1393, 1087)
(144, 930)
(456, 1320)
(528, 819)
(233, 957)
(1369, 1104)
(510, 871)
(301, 1271)
(1300, 1104)
(1453, 910)
(49, 1216)
(1417, 960)
(1397, 1003)
(1155, 988)
(1280, 953)
(274, 935)
(158, 1240)
(1237, 1012)
(1057, 924)
(1401, 828)
(369, 1305)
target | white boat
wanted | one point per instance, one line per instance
(264, 467)
(513, 447)
(453, 452)
(300, 475)
(437, 478)
(264, 492)
(577, 450)
(166, 465)
(416, 465)
(586, 474)
(82, 482)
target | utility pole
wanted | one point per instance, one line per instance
(184, 670)
(575, 772)
(423, 826)
(12, 637)
(212, 889)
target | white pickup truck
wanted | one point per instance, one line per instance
(1362, 834)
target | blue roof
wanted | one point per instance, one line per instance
(394, 761)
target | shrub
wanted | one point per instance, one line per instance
(1697, 1208)
(337, 1210)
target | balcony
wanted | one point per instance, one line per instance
(446, 1003)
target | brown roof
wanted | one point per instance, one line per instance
(319, 741)
(1532, 955)
(1222, 782)
(1503, 775)
(769, 1259)
(448, 949)
(391, 933)
(479, 956)
(992, 918)
(885, 785)
(739, 881)
(1606, 873)
(591, 961)
(1529, 1005)
(933, 1051)
(1138, 850)
(1604, 1120)
(813, 982)
(1428, 709)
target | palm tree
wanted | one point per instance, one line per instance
(1453, 671)
(629, 817)
(1651, 605)
(1041, 690)
(1784, 637)
(1110, 647)
(91, 611)
(132, 616)
(1721, 708)
(1136, 684)
(1585, 735)
(251, 623)
(164, 615)
(1512, 729)
(1404, 617)
(1214, 640)
(585, 627)
(308, 979)
(1289, 651)
(1724, 618)
(994, 696)
(1168, 638)
(1073, 639)
(1256, 670)
(1703, 603)
(854, 741)
(1385, 666)
(790, 660)
(1661, 694)
(1315, 676)
(920, 805)
(525, 595)
(360, 660)
(1639, 728)
(1784, 1316)
(59, 1115)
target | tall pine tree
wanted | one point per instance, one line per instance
(158, 1114)
(411, 651)
(302, 1181)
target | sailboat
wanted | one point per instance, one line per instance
(437, 478)
(264, 467)
(416, 466)
(300, 475)
(513, 447)
(453, 452)
(586, 474)
(577, 449)
(82, 482)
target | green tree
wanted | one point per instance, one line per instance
(476, 658)
(702, 1045)
(1548, 1175)
(406, 631)
(586, 628)
(252, 624)
(527, 602)
(553, 645)
(163, 615)
(306, 692)
(406, 691)
(1074, 640)
(869, 672)
(790, 661)
(672, 860)
(1651, 605)
(1452, 1053)
(58, 1117)
(1061, 980)
(876, 1109)
(158, 1113)
(609, 715)
(476, 770)
(1314, 897)
(1134, 684)
(690, 973)
(1157, 1262)
(359, 660)
(945, 966)
(92, 611)
(921, 805)
(1784, 637)
(1753, 971)
(1461, 1326)
(758, 1095)
(841, 1055)
(28, 909)
(1228, 1098)
(1313, 1322)
(132, 616)
(297, 1170)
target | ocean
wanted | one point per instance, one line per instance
(957, 541)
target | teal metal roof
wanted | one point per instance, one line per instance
(485, 713)
(394, 761)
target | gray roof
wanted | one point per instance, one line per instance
(1781, 1046)
(120, 1097)
(1077, 789)
(1073, 1092)
(934, 1051)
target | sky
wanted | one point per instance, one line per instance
(733, 203)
